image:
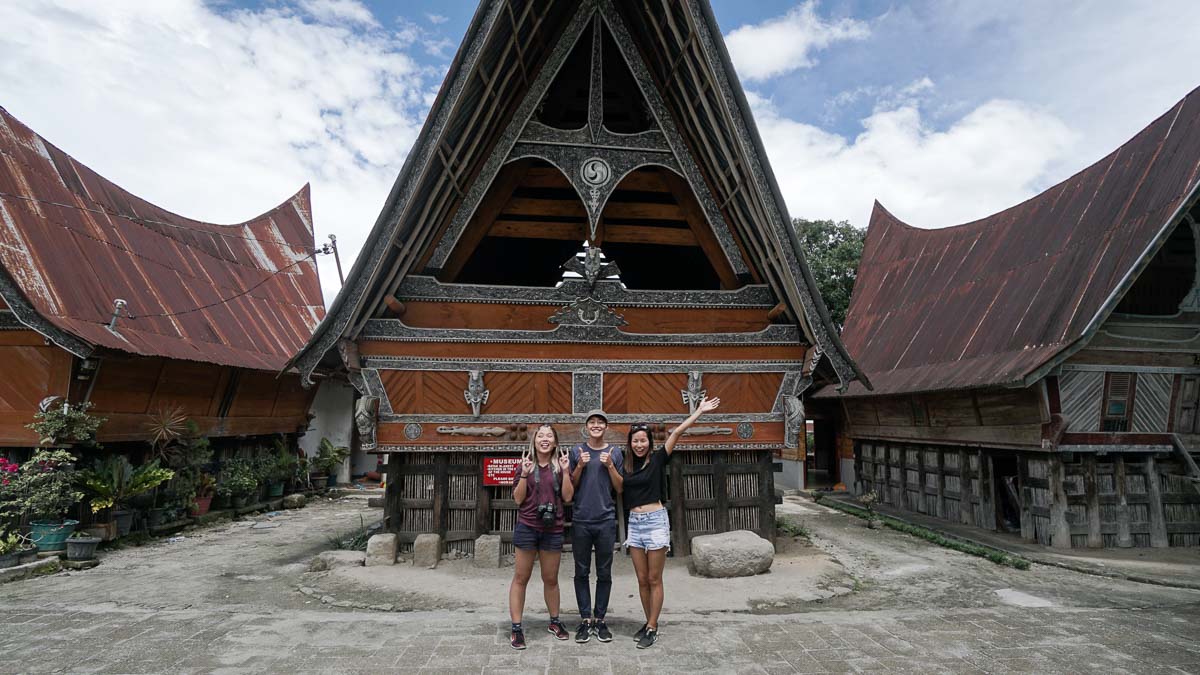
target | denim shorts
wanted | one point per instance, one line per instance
(649, 531)
(529, 538)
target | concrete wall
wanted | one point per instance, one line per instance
(333, 418)
(792, 476)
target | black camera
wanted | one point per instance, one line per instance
(546, 512)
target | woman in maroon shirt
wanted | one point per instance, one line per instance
(540, 492)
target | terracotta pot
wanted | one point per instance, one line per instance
(201, 505)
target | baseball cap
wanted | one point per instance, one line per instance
(596, 413)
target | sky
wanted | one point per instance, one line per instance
(945, 111)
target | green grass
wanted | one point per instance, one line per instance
(791, 528)
(355, 540)
(994, 555)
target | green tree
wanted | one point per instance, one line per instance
(833, 251)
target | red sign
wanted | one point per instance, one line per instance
(500, 470)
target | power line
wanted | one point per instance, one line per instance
(148, 221)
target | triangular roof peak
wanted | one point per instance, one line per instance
(492, 112)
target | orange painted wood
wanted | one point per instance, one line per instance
(22, 338)
(255, 395)
(187, 384)
(126, 384)
(632, 393)
(744, 392)
(292, 399)
(32, 371)
(423, 314)
(438, 392)
(579, 352)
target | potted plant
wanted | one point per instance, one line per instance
(43, 490)
(329, 459)
(868, 500)
(82, 546)
(113, 481)
(222, 496)
(10, 549)
(65, 424)
(205, 486)
(239, 476)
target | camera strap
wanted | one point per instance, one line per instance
(537, 479)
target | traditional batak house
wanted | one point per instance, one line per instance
(109, 299)
(587, 220)
(1038, 370)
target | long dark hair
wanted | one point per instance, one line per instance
(630, 458)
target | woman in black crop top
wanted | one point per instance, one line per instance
(649, 527)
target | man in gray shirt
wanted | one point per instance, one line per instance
(595, 473)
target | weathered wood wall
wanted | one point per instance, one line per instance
(32, 371)
(1066, 501)
(223, 401)
(999, 417)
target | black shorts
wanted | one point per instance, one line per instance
(528, 538)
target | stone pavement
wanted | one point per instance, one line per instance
(226, 600)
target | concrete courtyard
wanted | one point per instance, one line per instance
(238, 597)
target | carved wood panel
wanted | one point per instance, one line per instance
(653, 320)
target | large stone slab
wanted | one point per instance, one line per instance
(487, 551)
(327, 560)
(740, 553)
(381, 549)
(294, 501)
(427, 550)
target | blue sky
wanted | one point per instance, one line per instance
(944, 110)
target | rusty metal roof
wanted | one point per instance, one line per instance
(72, 242)
(994, 301)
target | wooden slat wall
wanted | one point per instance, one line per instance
(32, 371)
(1003, 417)
(1111, 501)
(1082, 394)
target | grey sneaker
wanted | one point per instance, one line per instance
(648, 639)
(583, 633)
(640, 632)
(600, 629)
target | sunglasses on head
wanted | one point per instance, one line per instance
(640, 427)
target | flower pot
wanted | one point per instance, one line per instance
(27, 555)
(200, 505)
(10, 559)
(124, 521)
(331, 480)
(156, 517)
(240, 501)
(317, 480)
(82, 548)
(49, 535)
(222, 501)
(275, 489)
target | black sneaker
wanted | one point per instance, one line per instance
(583, 633)
(648, 639)
(601, 630)
(517, 639)
(558, 630)
(637, 637)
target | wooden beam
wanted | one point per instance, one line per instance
(643, 211)
(1124, 536)
(1091, 492)
(623, 234)
(493, 203)
(1060, 529)
(700, 228)
(1154, 504)
(1028, 531)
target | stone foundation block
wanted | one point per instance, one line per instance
(487, 551)
(294, 501)
(427, 550)
(740, 553)
(381, 549)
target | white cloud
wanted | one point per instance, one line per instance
(221, 116)
(339, 11)
(785, 43)
(992, 158)
(437, 18)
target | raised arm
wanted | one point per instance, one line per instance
(568, 485)
(706, 404)
(521, 487)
